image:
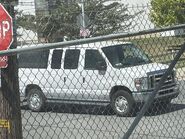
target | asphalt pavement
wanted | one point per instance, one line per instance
(67, 121)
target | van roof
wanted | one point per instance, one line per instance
(99, 44)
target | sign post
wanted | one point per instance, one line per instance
(6, 34)
(10, 111)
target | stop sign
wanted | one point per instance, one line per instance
(6, 29)
(6, 34)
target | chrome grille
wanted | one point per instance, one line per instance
(154, 79)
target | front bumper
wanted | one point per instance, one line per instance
(168, 93)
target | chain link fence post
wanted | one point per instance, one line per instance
(152, 96)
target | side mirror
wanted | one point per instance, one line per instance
(101, 66)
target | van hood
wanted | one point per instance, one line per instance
(142, 70)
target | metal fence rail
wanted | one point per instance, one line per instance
(128, 35)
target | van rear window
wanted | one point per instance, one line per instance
(34, 59)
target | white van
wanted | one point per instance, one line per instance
(113, 73)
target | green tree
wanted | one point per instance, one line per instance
(104, 18)
(108, 18)
(167, 12)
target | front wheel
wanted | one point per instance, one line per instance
(122, 103)
(35, 99)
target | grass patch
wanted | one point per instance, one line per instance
(159, 49)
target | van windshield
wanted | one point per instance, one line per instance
(125, 55)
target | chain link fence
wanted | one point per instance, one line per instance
(87, 68)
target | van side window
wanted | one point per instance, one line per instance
(56, 59)
(92, 58)
(71, 59)
(34, 59)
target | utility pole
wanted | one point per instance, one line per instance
(10, 112)
(83, 26)
(83, 14)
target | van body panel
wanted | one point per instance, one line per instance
(92, 85)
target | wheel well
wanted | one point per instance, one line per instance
(31, 86)
(116, 88)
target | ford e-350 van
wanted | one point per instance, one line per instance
(117, 73)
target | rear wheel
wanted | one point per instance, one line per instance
(122, 103)
(35, 99)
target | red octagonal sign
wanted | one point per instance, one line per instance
(6, 34)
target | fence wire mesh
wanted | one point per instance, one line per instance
(95, 90)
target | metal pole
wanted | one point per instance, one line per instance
(151, 97)
(83, 15)
(10, 111)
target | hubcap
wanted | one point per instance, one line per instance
(35, 101)
(121, 104)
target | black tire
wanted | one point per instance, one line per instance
(35, 99)
(126, 103)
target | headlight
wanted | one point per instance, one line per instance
(174, 75)
(141, 83)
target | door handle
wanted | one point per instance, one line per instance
(83, 79)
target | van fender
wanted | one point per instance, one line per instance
(119, 87)
(31, 86)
